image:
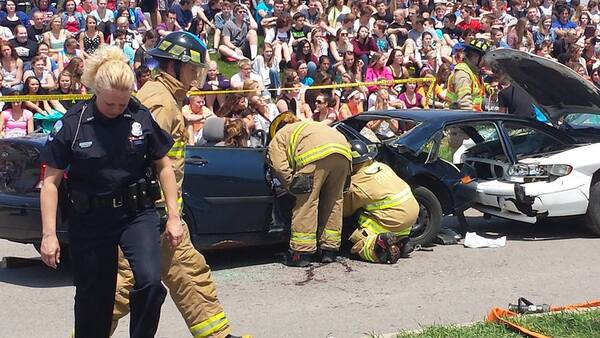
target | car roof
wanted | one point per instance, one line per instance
(441, 116)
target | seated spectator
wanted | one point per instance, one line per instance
(142, 75)
(377, 71)
(397, 68)
(335, 10)
(281, 40)
(69, 52)
(215, 81)
(183, 12)
(170, 25)
(220, 19)
(15, 121)
(467, 10)
(236, 134)
(24, 47)
(197, 28)
(13, 17)
(290, 100)
(383, 128)
(142, 58)
(251, 88)
(65, 86)
(42, 51)
(245, 73)
(410, 98)
(75, 68)
(545, 31)
(56, 36)
(12, 67)
(72, 20)
(381, 39)
(137, 17)
(397, 31)
(351, 67)
(91, 38)
(563, 22)
(86, 7)
(303, 74)
(105, 17)
(239, 40)
(341, 45)
(318, 45)
(263, 112)
(324, 111)
(132, 38)
(304, 53)
(44, 114)
(38, 70)
(121, 42)
(266, 65)
(353, 107)
(363, 45)
(195, 114)
(294, 7)
(520, 38)
(44, 7)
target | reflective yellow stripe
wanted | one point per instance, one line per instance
(294, 143)
(333, 235)
(177, 150)
(366, 250)
(304, 238)
(367, 222)
(209, 326)
(390, 201)
(322, 152)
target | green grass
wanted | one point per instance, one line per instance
(228, 69)
(580, 324)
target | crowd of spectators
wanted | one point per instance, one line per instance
(293, 44)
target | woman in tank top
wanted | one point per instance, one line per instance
(55, 37)
(91, 39)
(16, 121)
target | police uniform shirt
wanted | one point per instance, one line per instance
(105, 155)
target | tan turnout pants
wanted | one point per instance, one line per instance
(188, 277)
(322, 207)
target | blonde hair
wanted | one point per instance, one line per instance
(108, 68)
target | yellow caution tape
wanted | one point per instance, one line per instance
(79, 97)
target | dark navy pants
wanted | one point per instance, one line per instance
(94, 239)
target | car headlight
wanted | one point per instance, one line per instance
(538, 170)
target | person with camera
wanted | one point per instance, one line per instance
(111, 147)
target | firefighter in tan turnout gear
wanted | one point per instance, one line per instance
(466, 89)
(184, 269)
(312, 161)
(386, 205)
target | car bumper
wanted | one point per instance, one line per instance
(528, 201)
(20, 219)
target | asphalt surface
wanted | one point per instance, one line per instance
(552, 262)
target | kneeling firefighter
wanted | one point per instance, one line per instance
(388, 209)
(312, 161)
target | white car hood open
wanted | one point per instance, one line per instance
(580, 158)
(557, 89)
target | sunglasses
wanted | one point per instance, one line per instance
(320, 102)
(343, 34)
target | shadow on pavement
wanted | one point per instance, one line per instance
(543, 230)
(32, 272)
(236, 258)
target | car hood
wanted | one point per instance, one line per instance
(557, 89)
(578, 157)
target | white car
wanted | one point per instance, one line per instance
(526, 171)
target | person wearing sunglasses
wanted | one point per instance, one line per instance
(324, 111)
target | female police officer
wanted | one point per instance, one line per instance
(109, 144)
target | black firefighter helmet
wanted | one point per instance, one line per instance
(361, 152)
(184, 47)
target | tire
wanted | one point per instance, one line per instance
(64, 251)
(592, 217)
(430, 217)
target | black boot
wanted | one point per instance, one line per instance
(407, 248)
(328, 256)
(388, 248)
(297, 259)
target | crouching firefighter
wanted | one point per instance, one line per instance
(386, 205)
(184, 270)
(312, 161)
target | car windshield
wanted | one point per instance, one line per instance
(582, 120)
(379, 130)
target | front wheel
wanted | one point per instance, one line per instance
(592, 217)
(429, 221)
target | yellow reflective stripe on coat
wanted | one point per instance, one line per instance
(366, 249)
(209, 326)
(333, 235)
(177, 150)
(322, 152)
(291, 151)
(367, 222)
(303, 237)
(390, 201)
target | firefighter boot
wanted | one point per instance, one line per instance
(328, 256)
(388, 248)
(407, 248)
(296, 259)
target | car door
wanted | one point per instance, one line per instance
(225, 190)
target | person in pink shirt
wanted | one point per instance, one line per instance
(15, 121)
(378, 71)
